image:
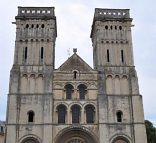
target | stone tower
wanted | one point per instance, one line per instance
(30, 92)
(121, 116)
(74, 103)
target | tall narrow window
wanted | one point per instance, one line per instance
(108, 59)
(119, 115)
(122, 56)
(42, 53)
(61, 114)
(69, 89)
(75, 114)
(25, 53)
(82, 91)
(31, 116)
(90, 113)
(75, 74)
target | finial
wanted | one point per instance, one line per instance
(74, 50)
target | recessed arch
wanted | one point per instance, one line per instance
(82, 91)
(90, 113)
(69, 90)
(61, 109)
(30, 137)
(76, 132)
(76, 113)
(120, 138)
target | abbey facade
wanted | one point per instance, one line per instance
(74, 103)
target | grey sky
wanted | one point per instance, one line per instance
(74, 20)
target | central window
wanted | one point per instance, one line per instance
(75, 114)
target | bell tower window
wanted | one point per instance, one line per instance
(108, 59)
(25, 53)
(122, 56)
(42, 53)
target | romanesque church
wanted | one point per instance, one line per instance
(74, 103)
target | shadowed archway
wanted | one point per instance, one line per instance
(75, 135)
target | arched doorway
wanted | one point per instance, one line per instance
(120, 140)
(75, 135)
(30, 140)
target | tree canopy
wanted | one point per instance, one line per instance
(150, 131)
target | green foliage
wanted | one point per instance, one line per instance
(150, 131)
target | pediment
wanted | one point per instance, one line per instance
(75, 62)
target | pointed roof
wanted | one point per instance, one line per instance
(75, 62)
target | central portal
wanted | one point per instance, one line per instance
(76, 135)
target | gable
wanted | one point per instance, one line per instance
(75, 63)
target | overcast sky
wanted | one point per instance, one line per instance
(74, 20)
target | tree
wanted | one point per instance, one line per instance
(150, 131)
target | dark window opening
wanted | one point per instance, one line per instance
(25, 53)
(90, 113)
(30, 116)
(75, 114)
(122, 56)
(106, 27)
(61, 113)
(115, 27)
(42, 25)
(69, 89)
(108, 59)
(75, 74)
(82, 91)
(42, 53)
(37, 26)
(32, 26)
(119, 116)
(111, 27)
(27, 26)
(120, 27)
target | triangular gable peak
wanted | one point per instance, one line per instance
(75, 62)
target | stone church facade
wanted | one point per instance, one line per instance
(74, 103)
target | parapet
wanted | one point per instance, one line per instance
(111, 14)
(35, 12)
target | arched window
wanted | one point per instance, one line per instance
(122, 56)
(42, 53)
(75, 114)
(25, 53)
(82, 91)
(61, 113)
(69, 89)
(119, 115)
(31, 116)
(75, 74)
(90, 113)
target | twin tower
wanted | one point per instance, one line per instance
(74, 103)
